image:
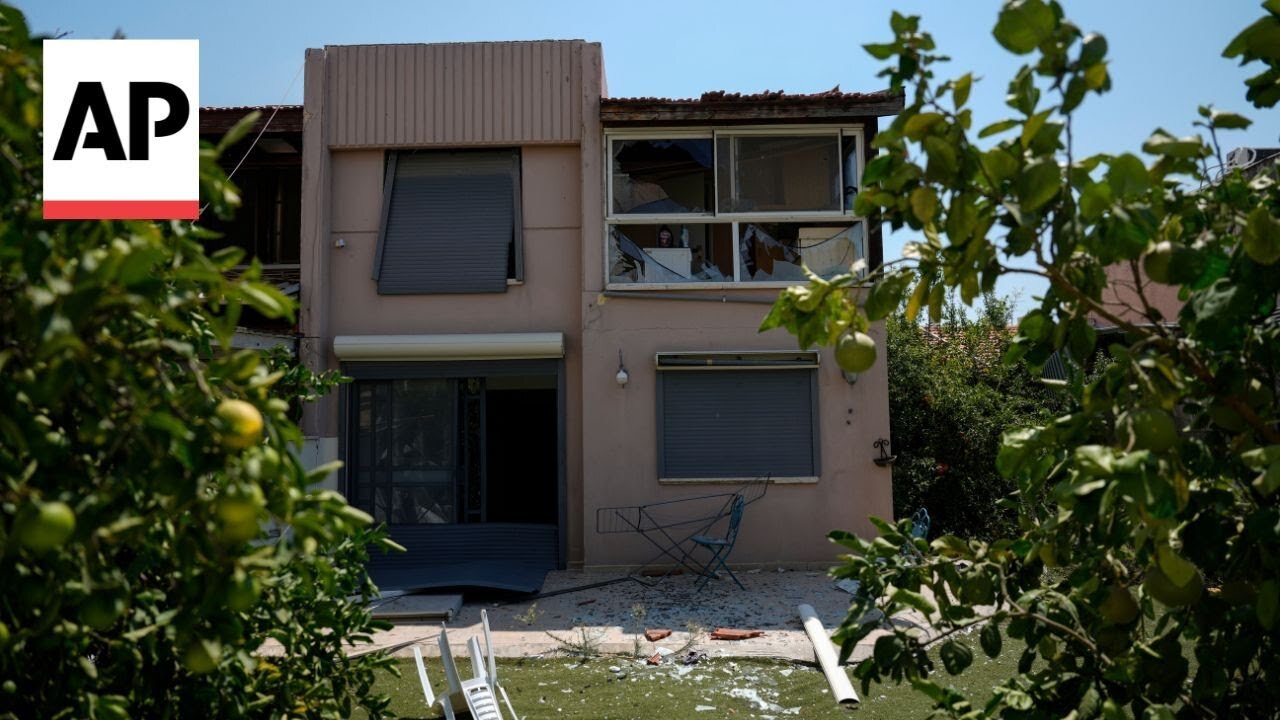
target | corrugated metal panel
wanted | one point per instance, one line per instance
(737, 423)
(499, 93)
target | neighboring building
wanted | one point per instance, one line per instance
(267, 166)
(483, 250)
(1122, 297)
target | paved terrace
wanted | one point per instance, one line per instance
(614, 618)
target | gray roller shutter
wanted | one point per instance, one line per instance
(737, 423)
(449, 220)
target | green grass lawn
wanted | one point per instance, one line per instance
(569, 689)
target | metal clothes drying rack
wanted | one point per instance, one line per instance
(670, 526)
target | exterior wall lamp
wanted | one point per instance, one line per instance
(623, 376)
(885, 459)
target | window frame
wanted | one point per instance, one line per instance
(739, 361)
(845, 216)
(390, 161)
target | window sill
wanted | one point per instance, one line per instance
(803, 480)
(771, 285)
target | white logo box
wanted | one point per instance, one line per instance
(90, 185)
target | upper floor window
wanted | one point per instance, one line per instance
(450, 222)
(733, 205)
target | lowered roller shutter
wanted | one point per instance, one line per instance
(737, 423)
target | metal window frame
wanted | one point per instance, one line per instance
(714, 132)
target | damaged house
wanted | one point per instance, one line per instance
(548, 301)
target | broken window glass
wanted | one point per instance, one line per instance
(662, 176)
(778, 173)
(694, 252)
(773, 252)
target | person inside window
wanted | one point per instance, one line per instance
(665, 238)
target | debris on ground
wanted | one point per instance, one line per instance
(693, 658)
(656, 634)
(735, 634)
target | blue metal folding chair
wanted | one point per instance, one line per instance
(721, 547)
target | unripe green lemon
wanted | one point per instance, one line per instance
(202, 656)
(4, 634)
(238, 512)
(1156, 262)
(101, 610)
(45, 525)
(1148, 429)
(243, 423)
(1119, 608)
(243, 592)
(1159, 586)
(856, 352)
(1048, 555)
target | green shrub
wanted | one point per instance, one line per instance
(140, 461)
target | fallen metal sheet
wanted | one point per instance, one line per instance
(493, 574)
(407, 607)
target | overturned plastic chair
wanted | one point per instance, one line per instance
(477, 695)
(720, 547)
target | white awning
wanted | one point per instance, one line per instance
(462, 346)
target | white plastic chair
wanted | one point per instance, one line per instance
(477, 695)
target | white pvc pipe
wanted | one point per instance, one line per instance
(841, 688)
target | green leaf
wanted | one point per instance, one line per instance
(1261, 457)
(924, 203)
(1093, 50)
(919, 125)
(1269, 481)
(1262, 236)
(1095, 77)
(1174, 566)
(1268, 602)
(1033, 125)
(942, 157)
(1023, 25)
(888, 650)
(1229, 120)
(918, 298)
(960, 89)
(956, 656)
(990, 639)
(999, 165)
(1162, 143)
(914, 600)
(886, 295)
(1038, 184)
(881, 51)
(998, 127)
(1259, 40)
(1127, 176)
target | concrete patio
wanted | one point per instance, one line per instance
(612, 619)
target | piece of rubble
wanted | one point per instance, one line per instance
(735, 634)
(655, 659)
(656, 634)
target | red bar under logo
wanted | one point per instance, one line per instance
(121, 209)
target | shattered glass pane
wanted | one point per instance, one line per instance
(774, 252)
(778, 173)
(695, 252)
(662, 176)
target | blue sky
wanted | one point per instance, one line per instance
(1165, 54)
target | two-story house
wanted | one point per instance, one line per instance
(549, 300)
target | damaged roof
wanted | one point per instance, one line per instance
(719, 106)
(218, 120)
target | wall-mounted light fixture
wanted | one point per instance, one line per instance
(340, 243)
(849, 377)
(885, 459)
(623, 376)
